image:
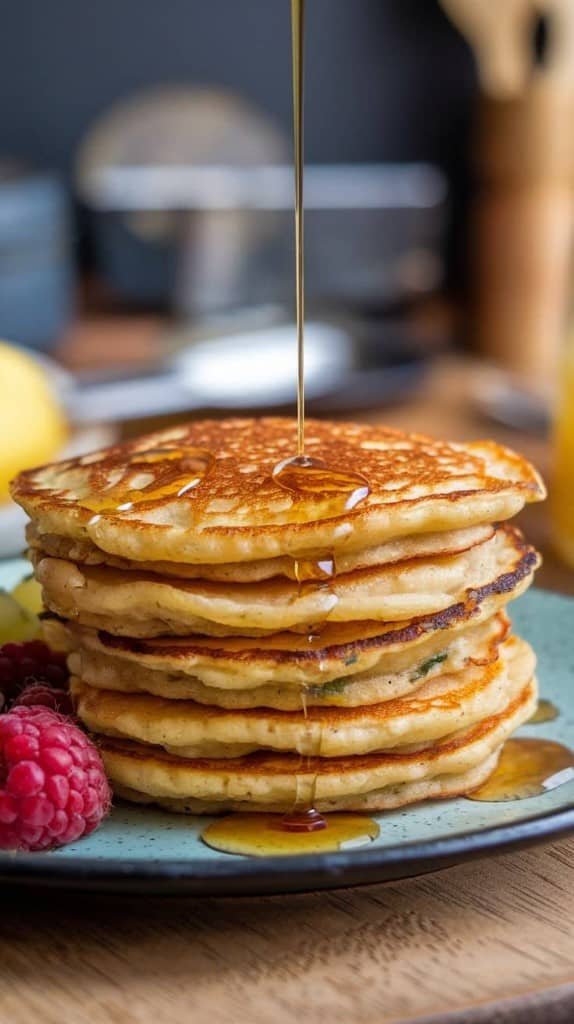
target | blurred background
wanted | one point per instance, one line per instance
(146, 244)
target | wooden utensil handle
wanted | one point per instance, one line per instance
(523, 229)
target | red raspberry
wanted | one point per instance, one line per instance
(32, 662)
(40, 693)
(32, 659)
(53, 788)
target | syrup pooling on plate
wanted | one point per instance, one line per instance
(265, 835)
(546, 711)
(527, 767)
(151, 477)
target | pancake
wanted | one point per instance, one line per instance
(84, 552)
(270, 782)
(388, 798)
(296, 659)
(204, 492)
(144, 605)
(437, 708)
(478, 644)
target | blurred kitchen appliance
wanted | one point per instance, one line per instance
(147, 254)
(373, 233)
(190, 194)
(36, 277)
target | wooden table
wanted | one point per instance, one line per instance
(497, 931)
(490, 942)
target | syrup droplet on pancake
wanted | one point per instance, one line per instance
(150, 477)
(307, 477)
(314, 570)
(527, 767)
(265, 835)
(546, 711)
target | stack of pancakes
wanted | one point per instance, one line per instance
(214, 680)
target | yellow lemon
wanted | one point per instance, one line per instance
(28, 594)
(31, 424)
(16, 623)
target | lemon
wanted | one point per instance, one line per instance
(16, 622)
(28, 594)
(31, 423)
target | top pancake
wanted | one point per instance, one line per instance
(237, 512)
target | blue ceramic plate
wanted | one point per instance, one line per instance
(146, 850)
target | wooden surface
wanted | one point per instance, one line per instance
(490, 942)
(490, 931)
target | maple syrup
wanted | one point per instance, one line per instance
(335, 491)
(308, 570)
(527, 767)
(546, 711)
(309, 820)
(167, 472)
(305, 476)
(302, 474)
(265, 835)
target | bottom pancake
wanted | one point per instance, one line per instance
(272, 782)
(386, 799)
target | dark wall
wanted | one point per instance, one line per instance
(387, 79)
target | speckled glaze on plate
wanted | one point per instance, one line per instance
(151, 851)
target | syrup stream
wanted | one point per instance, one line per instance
(298, 57)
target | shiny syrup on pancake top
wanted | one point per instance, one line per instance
(150, 477)
(527, 767)
(304, 830)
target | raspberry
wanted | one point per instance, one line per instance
(47, 696)
(53, 788)
(32, 661)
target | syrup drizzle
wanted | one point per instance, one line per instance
(336, 491)
(149, 477)
(527, 767)
(306, 477)
(298, 62)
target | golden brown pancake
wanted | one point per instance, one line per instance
(389, 798)
(84, 552)
(449, 652)
(144, 605)
(170, 566)
(237, 512)
(435, 709)
(269, 782)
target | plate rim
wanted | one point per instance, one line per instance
(281, 875)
